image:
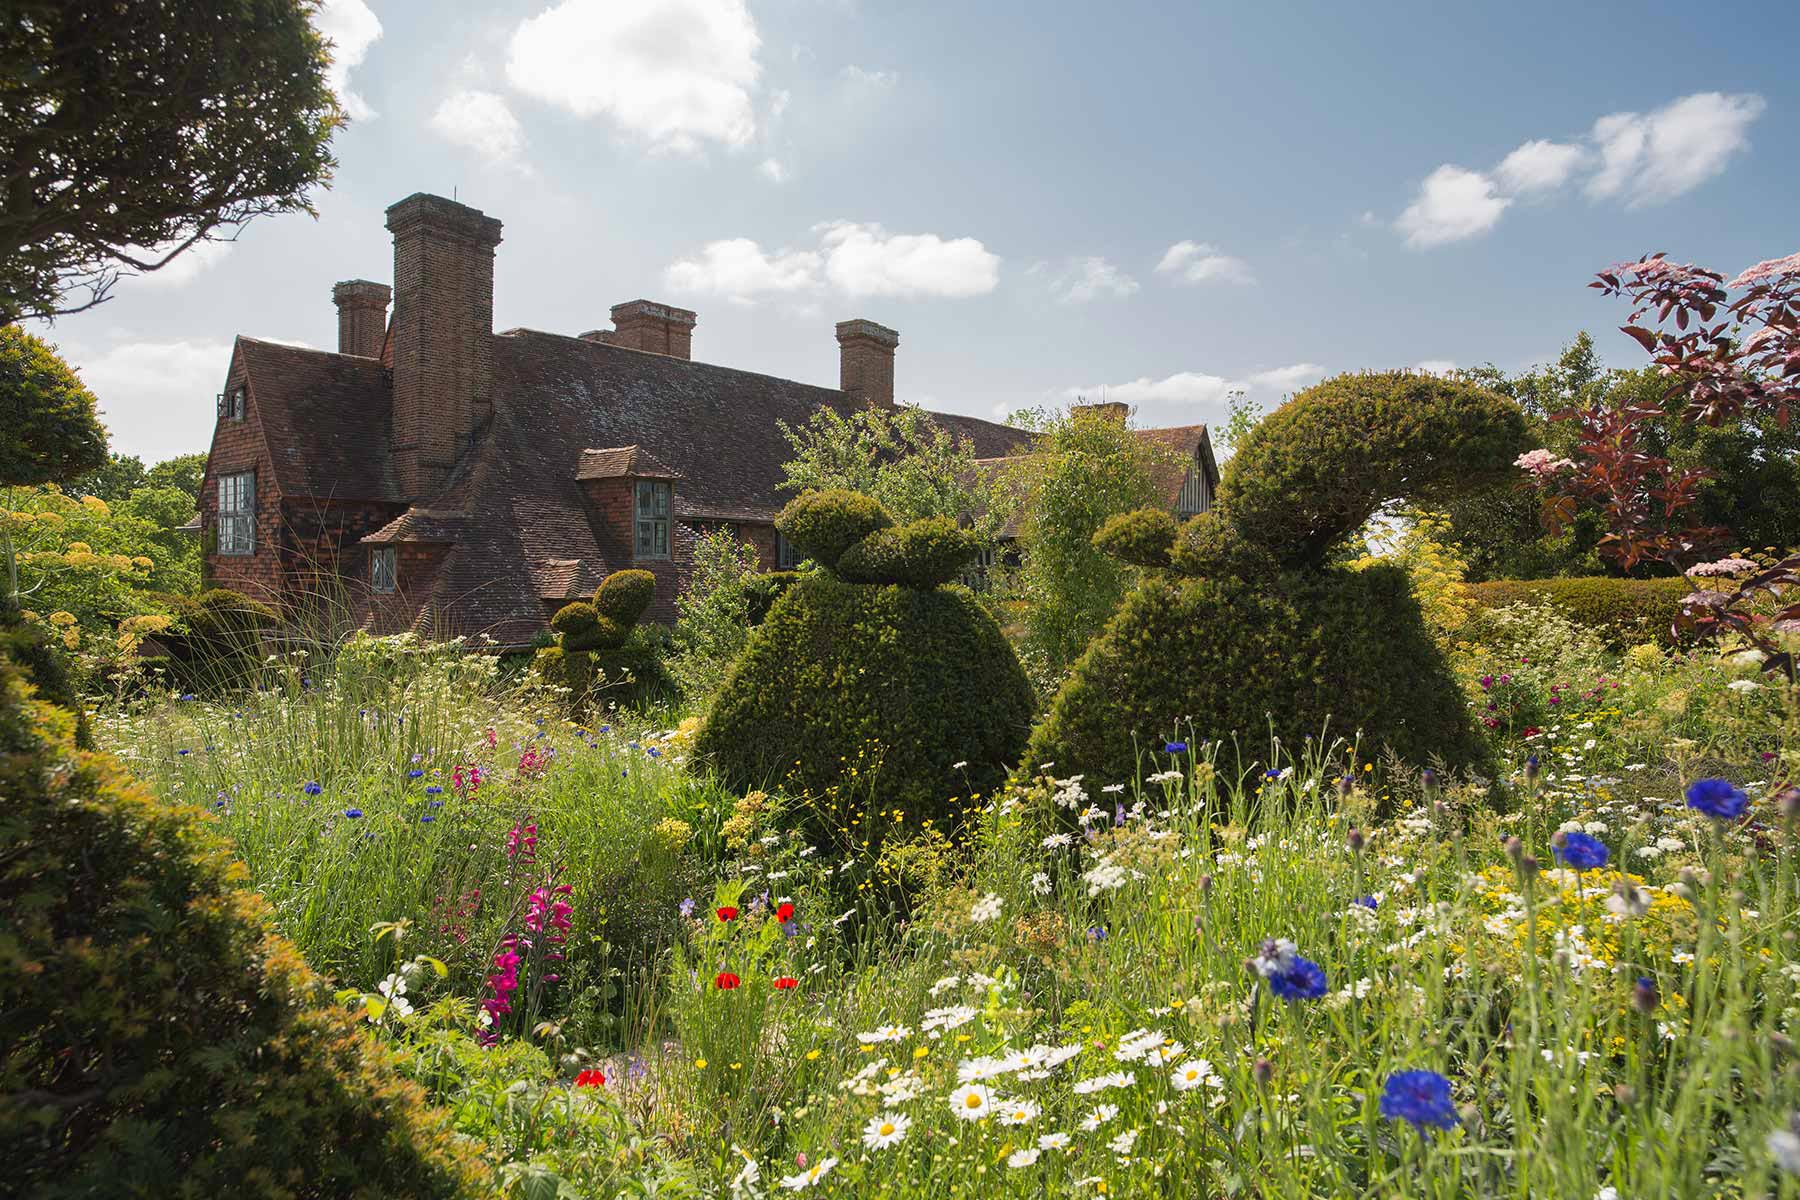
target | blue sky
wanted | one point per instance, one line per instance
(1159, 202)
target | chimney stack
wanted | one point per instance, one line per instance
(362, 316)
(658, 328)
(866, 361)
(1109, 410)
(443, 336)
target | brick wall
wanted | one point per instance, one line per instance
(866, 361)
(238, 445)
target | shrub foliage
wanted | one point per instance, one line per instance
(600, 649)
(1251, 629)
(1622, 611)
(156, 1039)
(825, 524)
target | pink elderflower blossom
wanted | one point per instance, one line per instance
(1768, 269)
(1724, 566)
(533, 761)
(502, 984)
(1541, 463)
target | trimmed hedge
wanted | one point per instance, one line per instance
(599, 646)
(1143, 538)
(826, 523)
(623, 596)
(1623, 611)
(1299, 653)
(839, 669)
(156, 1038)
(762, 591)
(919, 554)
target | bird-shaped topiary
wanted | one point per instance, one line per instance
(1243, 626)
(869, 681)
(601, 652)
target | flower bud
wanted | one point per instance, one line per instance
(1787, 802)
(1345, 785)
(1532, 770)
(1625, 1094)
(1262, 1071)
(1205, 882)
(1644, 996)
(1356, 840)
(1515, 849)
(1528, 865)
(1428, 781)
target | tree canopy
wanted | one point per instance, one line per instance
(132, 131)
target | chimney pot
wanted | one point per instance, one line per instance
(362, 316)
(657, 328)
(866, 361)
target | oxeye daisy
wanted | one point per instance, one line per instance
(1022, 1158)
(810, 1176)
(1192, 1074)
(1053, 1141)
(1100, 1116)
(887, 1129)
(972, 1102)
(1018, 1112)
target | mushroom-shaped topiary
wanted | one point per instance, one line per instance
(1250, 630)
(600, 651)
(907, 684)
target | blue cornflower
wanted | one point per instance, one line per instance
(1719, 799)
(1303, 980)
(1365, 902)
(427, 819)
(434, 790)
(437, 804)
(1580, 851)
(312, 788)
(184, 751)
(187, 695)
(1271, 774)
(415, 773)
(1097, 934)
(789, 928)
(1422, 1097)
(653, 752)
(1175, 748)
(606, 729)
(353, 813)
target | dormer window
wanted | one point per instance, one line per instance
(231, 404)
(652, 518)
(384, 570)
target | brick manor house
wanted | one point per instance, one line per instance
(439, 476)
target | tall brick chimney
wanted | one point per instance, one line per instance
(443, 336)
(1108, 410)
(658, 328)
(866, 361)
(362, 316)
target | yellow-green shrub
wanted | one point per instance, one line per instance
(1623, 611)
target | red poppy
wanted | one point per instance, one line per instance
(786, 982)
(1532, 731)
(725, 981)
(784, 912)
(727, 913)
(591, 1079)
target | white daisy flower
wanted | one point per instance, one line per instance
(886, 1033)
(1100, 1116)
(1040, 884)
(886, 1129)
(1099, 1083)
(1124, 1142)
(1192, 1074)
(1022, 1158)
(971, 1102)
(1053, 1141)
(1018, 1112)
(810, 1176)
(985, 909)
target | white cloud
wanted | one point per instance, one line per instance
(156, 398)
(1662, 154)
(1194, 396)
(740, 270)
(677, 73)
(1539, 166)
(480, 121)
(1202, 262)
(352, 29)
(183, 269)
(1090, 279)
(867, 260)
(771, 169)
(1453, 204)
(873, 79)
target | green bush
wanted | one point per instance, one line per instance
(578, 616)
(1316, 469)
(920, 554)
(623, 596)
(1624, 612)
(1142, 538)
(917, 691)
(762, 591)
(825, 524)
(51, 431)
(217, 640)
(156, 1039)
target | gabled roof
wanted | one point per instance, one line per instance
(1186, 442)
(622, 462)
(325, 418)
(422, 525)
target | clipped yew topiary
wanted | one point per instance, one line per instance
(156, 1038)
(1249, 629)
(601, 653)
(1625, 612)
(909, 685)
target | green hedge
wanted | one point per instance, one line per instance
(921, 680)
(826, 523)
(156, 1038)
(1300, 654)
(601, 654)
(1624, 611)
(919, 554)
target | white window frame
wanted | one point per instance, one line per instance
(384, 570)
(237, 513)
(787, 555)
(651, 502)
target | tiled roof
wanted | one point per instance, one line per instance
(426, 525)
(622, 462)
(325, 417)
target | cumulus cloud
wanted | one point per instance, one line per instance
(480, 121)
(1539, 166)
(156, 398)
(772, 170)
(1453, 204)
(1195, 396)
(183, 269)
(351, 28)
(1662, 154)
(1091, 278)
(740, 270)
(677, 74)
(867, 260)
(1202, 262)
(1643, 158)
(866, 78)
